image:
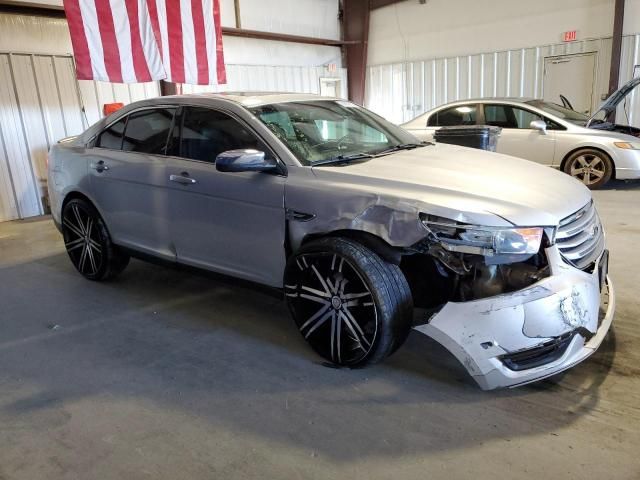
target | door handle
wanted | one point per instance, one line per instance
(99, 167)
(183, 179)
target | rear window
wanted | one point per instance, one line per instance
(112, 136)
(460, 115)
(147, 131)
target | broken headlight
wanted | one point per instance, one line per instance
(485, 241)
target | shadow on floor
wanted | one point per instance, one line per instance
(230, 355)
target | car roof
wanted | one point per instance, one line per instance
(245, 99)
(492, 100)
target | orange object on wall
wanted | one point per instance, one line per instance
(109, 108)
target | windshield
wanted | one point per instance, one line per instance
(321, 130)
(563, 113)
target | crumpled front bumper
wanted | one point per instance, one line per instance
(481, 332)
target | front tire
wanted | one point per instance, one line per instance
(88, 242)
(351, 306)
(589, 166)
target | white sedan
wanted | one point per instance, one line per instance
(591, 149)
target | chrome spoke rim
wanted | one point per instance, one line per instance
(333, 307)
(83, 240)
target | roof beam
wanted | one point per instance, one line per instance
(280, 37)
(373, 4)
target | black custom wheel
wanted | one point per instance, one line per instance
(592, 167)
(88, 242)
(350, 305)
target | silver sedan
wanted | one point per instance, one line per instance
(366, 231)
(592, 150)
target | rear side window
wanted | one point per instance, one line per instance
(461, 115)
(207, 133)
(112, 136)
(147, 131)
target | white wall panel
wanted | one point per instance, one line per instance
(401, 91)
(269, 78)
(411, 31)
(312, 18)
(41, 102)
(35, 129)
(18, 158)
(630, 58)
(8, 200)
(49, 98)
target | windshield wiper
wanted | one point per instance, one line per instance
(343, 159)
(404, 146)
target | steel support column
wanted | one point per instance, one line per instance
(356, 35)
(616, 48)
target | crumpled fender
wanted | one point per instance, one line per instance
(349, 206)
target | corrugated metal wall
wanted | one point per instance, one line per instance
(401, 91)
(41, 102)
(273, 79)
(630, 67)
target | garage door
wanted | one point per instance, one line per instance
(41, 102)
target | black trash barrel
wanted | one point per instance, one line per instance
(483, 137)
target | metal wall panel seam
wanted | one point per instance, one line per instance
(522, 70)
(10, 175)
(83, 107)
(55, 76)
(509, 73)
(47, 133)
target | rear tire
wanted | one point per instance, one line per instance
(351, 306)
(88, 242)
(589, 166)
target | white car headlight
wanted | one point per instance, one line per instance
(487, 241)
(628, 145)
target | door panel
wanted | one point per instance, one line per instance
(517, 138)
(528, 144)
(233, 223)
(132, 197)
(129, 186)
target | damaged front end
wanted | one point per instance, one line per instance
(514, 305)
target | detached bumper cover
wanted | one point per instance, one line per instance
(559, 322)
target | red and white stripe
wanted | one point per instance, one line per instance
(143, 40)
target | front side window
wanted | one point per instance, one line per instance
(320, 130)
(461, 115)
(112, 136)
(207, 133)
(506, 116)
(147, 131)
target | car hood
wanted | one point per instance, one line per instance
(464, 184)
(611, 103)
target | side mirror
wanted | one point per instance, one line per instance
(539, 125)
(244, 161)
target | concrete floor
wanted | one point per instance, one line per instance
(170, 375)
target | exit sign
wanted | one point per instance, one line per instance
(570, 36)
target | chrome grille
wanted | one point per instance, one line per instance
(580, 237)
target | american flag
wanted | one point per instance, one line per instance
(128, 41)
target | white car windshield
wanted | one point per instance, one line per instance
(561, 112)
(321, 131)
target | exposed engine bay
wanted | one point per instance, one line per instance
(616, 127)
